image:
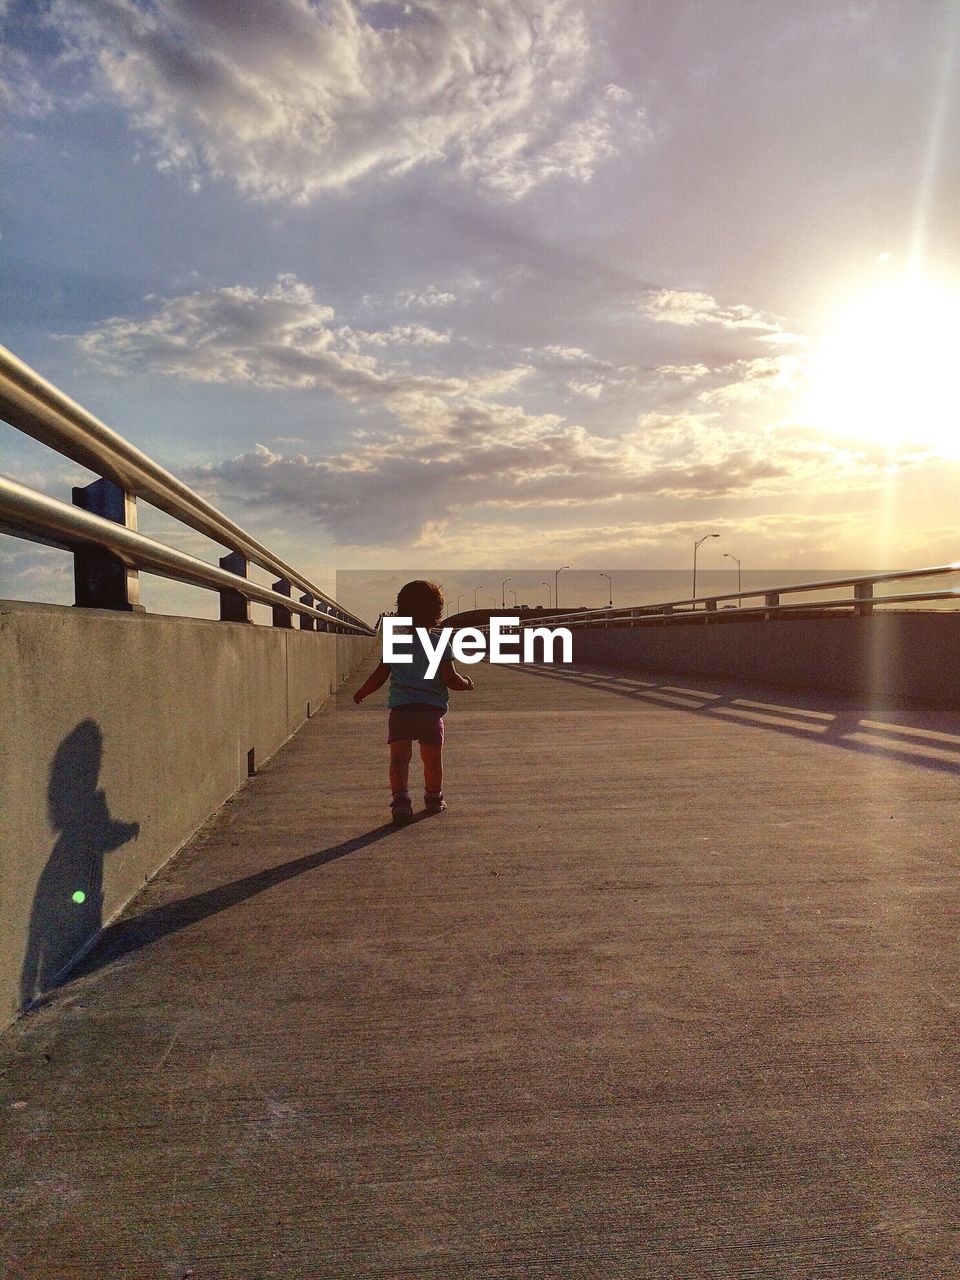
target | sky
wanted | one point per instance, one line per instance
(487, 283)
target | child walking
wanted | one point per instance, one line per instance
(417, 704)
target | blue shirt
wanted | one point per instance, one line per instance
(409, 683)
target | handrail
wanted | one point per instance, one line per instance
(685, 610)
(592, 617)
(40, 410)
(824, 584)
(59, 524)
(34, 406)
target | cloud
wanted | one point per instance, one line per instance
(686, 307)
(426, 297)
(727, 383)
(405, 334)
(458, 458)
(21, 90)
(454, 447)
(481, 456)
(787, 538)
(592, 390)
(32, 572)
(430, 296)
(749, 381)
(282, 337)
(683, 372)
(293, 98)
(585, 375)
(575, 355)
(518, 160)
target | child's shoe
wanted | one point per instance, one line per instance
(434, 802)
(401, 808)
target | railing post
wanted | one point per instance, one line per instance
(234, 607)
(771, 599)
(282, 617)
(307, 623)
(710, 606)
(101, 579)
(863, 591)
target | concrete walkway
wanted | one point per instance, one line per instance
(671, 990)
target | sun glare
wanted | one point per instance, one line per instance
(887, 371)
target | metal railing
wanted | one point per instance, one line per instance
(703, 609)
(109, 552)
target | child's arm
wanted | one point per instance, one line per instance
(452, 678)
(377, 678)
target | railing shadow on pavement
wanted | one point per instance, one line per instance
(920, 735)
(134, 932)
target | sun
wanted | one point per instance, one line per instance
(888, 370)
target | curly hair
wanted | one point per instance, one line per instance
(422, 601)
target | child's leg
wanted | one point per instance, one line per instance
(400, 753)
(432, 757)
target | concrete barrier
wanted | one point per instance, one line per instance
(119, 735)
(904, 655)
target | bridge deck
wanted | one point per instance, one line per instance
(671, 990)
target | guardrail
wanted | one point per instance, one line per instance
(704, 608)
(100, 528)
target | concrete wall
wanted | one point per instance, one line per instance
(119, 735)
(913, 656)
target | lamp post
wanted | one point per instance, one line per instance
(475, 590)
(695, 545)
(459, 598)
(556, 587)
(514, 594)
(503, 592)
(610, 580)
(549, 596)
(739, 587)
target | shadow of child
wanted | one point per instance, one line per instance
(67, 908)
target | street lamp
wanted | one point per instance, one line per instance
(459, 598)
(475, 590)
(514, 594)
(695, 545)
(549, 596)
(610, 580)
(739, 588)
(556, 588)
(503, 593)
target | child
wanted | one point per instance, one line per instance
(417, 705)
